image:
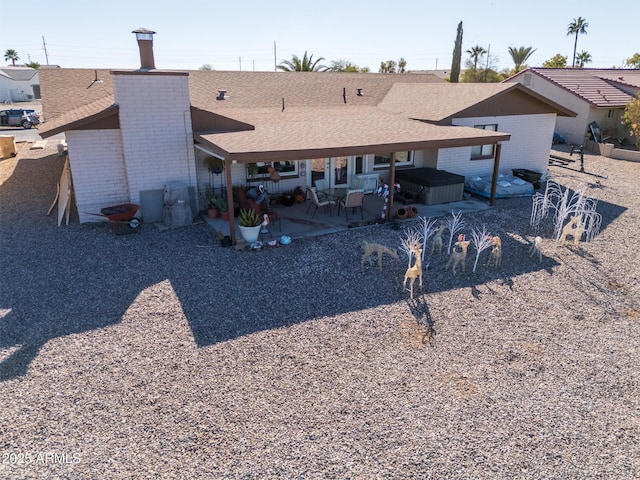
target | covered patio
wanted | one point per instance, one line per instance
(297, 221)
(296, 134)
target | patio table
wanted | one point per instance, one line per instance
(336, 193)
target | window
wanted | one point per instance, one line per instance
(384, 159)
(261, 170)
(480, 152)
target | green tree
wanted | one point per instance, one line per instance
(582, 58)
(557, 61)
(520, 56)
(346, 66)
(205, 66)
(34, 65)
(476, 54)
(578, 26)
(304, 64)
(633, 61)
(481, 75)
(402, 65)
(631, 118)
(11, 54)
(388, 67)
(454, 76)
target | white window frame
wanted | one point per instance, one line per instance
(482, 152)
(280, 166)
(379, 157)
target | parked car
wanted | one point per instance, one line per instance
(19, 118)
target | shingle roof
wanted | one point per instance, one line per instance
(66, 89)
(592, 85)
(297, 132)
(20, 74)
(80, 115)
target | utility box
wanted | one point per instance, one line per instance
(177, 205)
(8, 146)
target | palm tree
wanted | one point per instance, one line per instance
(578, 26)
(475, 53)
(402, 65)
(306, 64)
(520, 55)
(582, 58)
(12, 55)
(388, 67)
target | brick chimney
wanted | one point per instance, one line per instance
(145, 44)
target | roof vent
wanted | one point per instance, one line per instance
(221, 94)
(145, 45)
(359, 92)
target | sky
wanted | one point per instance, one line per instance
(255, 35)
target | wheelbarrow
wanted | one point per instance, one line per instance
(122, 218)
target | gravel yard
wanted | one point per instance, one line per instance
(164, 355)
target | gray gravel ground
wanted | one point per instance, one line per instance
(164, 355)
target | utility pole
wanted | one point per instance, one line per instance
(487, 67)
(240, 62)
(275, 58)
(44, 47)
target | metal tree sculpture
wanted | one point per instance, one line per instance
(454, 225)
(481, 240)
(428, 229)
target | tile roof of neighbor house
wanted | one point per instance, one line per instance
(19, 74)
(591, 84)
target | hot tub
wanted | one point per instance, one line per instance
(432, 186)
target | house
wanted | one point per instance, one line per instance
(19, 84)
(131, 132)
(596, 95)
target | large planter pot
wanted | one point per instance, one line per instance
(250, 234)
(402, 213)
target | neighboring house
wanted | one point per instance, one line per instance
(19, 84)
(596, 95)
(133, 131)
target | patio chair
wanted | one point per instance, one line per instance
(321, 187)
(313, 196)
(353, 200)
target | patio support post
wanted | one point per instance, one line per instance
(392, 181)
(232, 213)
(494, 178)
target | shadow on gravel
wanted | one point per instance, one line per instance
(77, 278)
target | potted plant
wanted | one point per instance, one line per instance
(224, 209)
(213, 204)
(250, 224)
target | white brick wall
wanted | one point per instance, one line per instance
(156, 129)
(528, 147)
(97, 166)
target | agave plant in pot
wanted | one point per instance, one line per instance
(250, 224)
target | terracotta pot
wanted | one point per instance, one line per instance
(224, 216)
(212, 212)
(413, 212)
(402, 213)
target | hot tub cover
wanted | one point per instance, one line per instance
(428, 177)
